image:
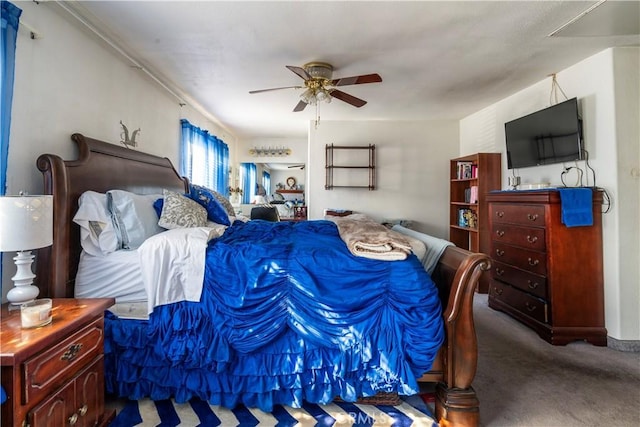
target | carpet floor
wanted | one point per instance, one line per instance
(166, 413)
(523, 381)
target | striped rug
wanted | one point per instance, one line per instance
(166, 413)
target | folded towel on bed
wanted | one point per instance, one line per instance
(366, 238)
(576, 206)
(434, 247)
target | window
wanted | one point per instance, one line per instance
(205, 158)
(248, 181)
(266, 182)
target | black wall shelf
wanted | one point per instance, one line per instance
(330, 166)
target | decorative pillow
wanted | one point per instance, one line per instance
(205, 197)
(157, 206)
(133, 217)
(97, 234)
(226, 204)
(179, 211)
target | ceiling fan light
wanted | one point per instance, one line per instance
(308, 96)
(323, 96)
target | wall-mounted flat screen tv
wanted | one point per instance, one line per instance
(552, 135)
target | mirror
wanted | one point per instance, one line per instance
(281, 174)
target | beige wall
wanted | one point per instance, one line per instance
(412, 167)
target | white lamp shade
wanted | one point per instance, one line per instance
(26, 222)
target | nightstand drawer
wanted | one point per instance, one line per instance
(529, 215)
(525, 237)
(524, 280)
(533, 261)
(51, 368)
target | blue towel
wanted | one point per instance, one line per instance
(576, 206)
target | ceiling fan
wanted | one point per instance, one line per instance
(321, 87)
(300, 166)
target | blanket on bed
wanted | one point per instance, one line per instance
(287, 315)
(366, 238)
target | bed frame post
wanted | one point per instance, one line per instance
(456, 401)
(54, 282)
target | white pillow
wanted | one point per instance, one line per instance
(179, 211)
(133, 217)
(97, 234)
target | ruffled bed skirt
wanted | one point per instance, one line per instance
(287, 371)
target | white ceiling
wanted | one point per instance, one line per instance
(438, 60)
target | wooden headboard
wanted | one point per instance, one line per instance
(100, 167)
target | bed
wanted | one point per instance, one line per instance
(101, 167)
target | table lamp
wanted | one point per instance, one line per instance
(26, 223)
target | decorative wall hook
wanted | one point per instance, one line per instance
(125, 136)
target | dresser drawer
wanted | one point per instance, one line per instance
(529, 215)
(49, 369)
(525, 237)
(533, 261)
(526, 304)
(528, 282)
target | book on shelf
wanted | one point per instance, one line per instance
(473, 194)
(467, 218)
(464, 170)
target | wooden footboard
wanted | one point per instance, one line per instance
(457, 275)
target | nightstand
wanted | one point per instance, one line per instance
(54, 375)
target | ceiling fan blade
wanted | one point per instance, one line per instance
(301, 106)
(357, 80)
(349, 99)
(275, 88)
(299, 71)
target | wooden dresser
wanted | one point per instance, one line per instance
(547, 275)
(54, 375)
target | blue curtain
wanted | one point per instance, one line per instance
(10, 23)
(248, 181)
(205, 158)
(266, 182)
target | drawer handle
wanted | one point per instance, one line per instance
(71, 353)
(531, 239)
(533, 262)
(83, 411)
(497, 291)
(73, 419)
(530, 307)
(532, 285)
(532, 217)
(499, 271)
(500, 233)
(499, 252)
(500, 214)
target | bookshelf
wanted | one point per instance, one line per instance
(471, 179)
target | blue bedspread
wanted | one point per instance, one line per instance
(287, 314)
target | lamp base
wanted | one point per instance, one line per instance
(23, 290)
